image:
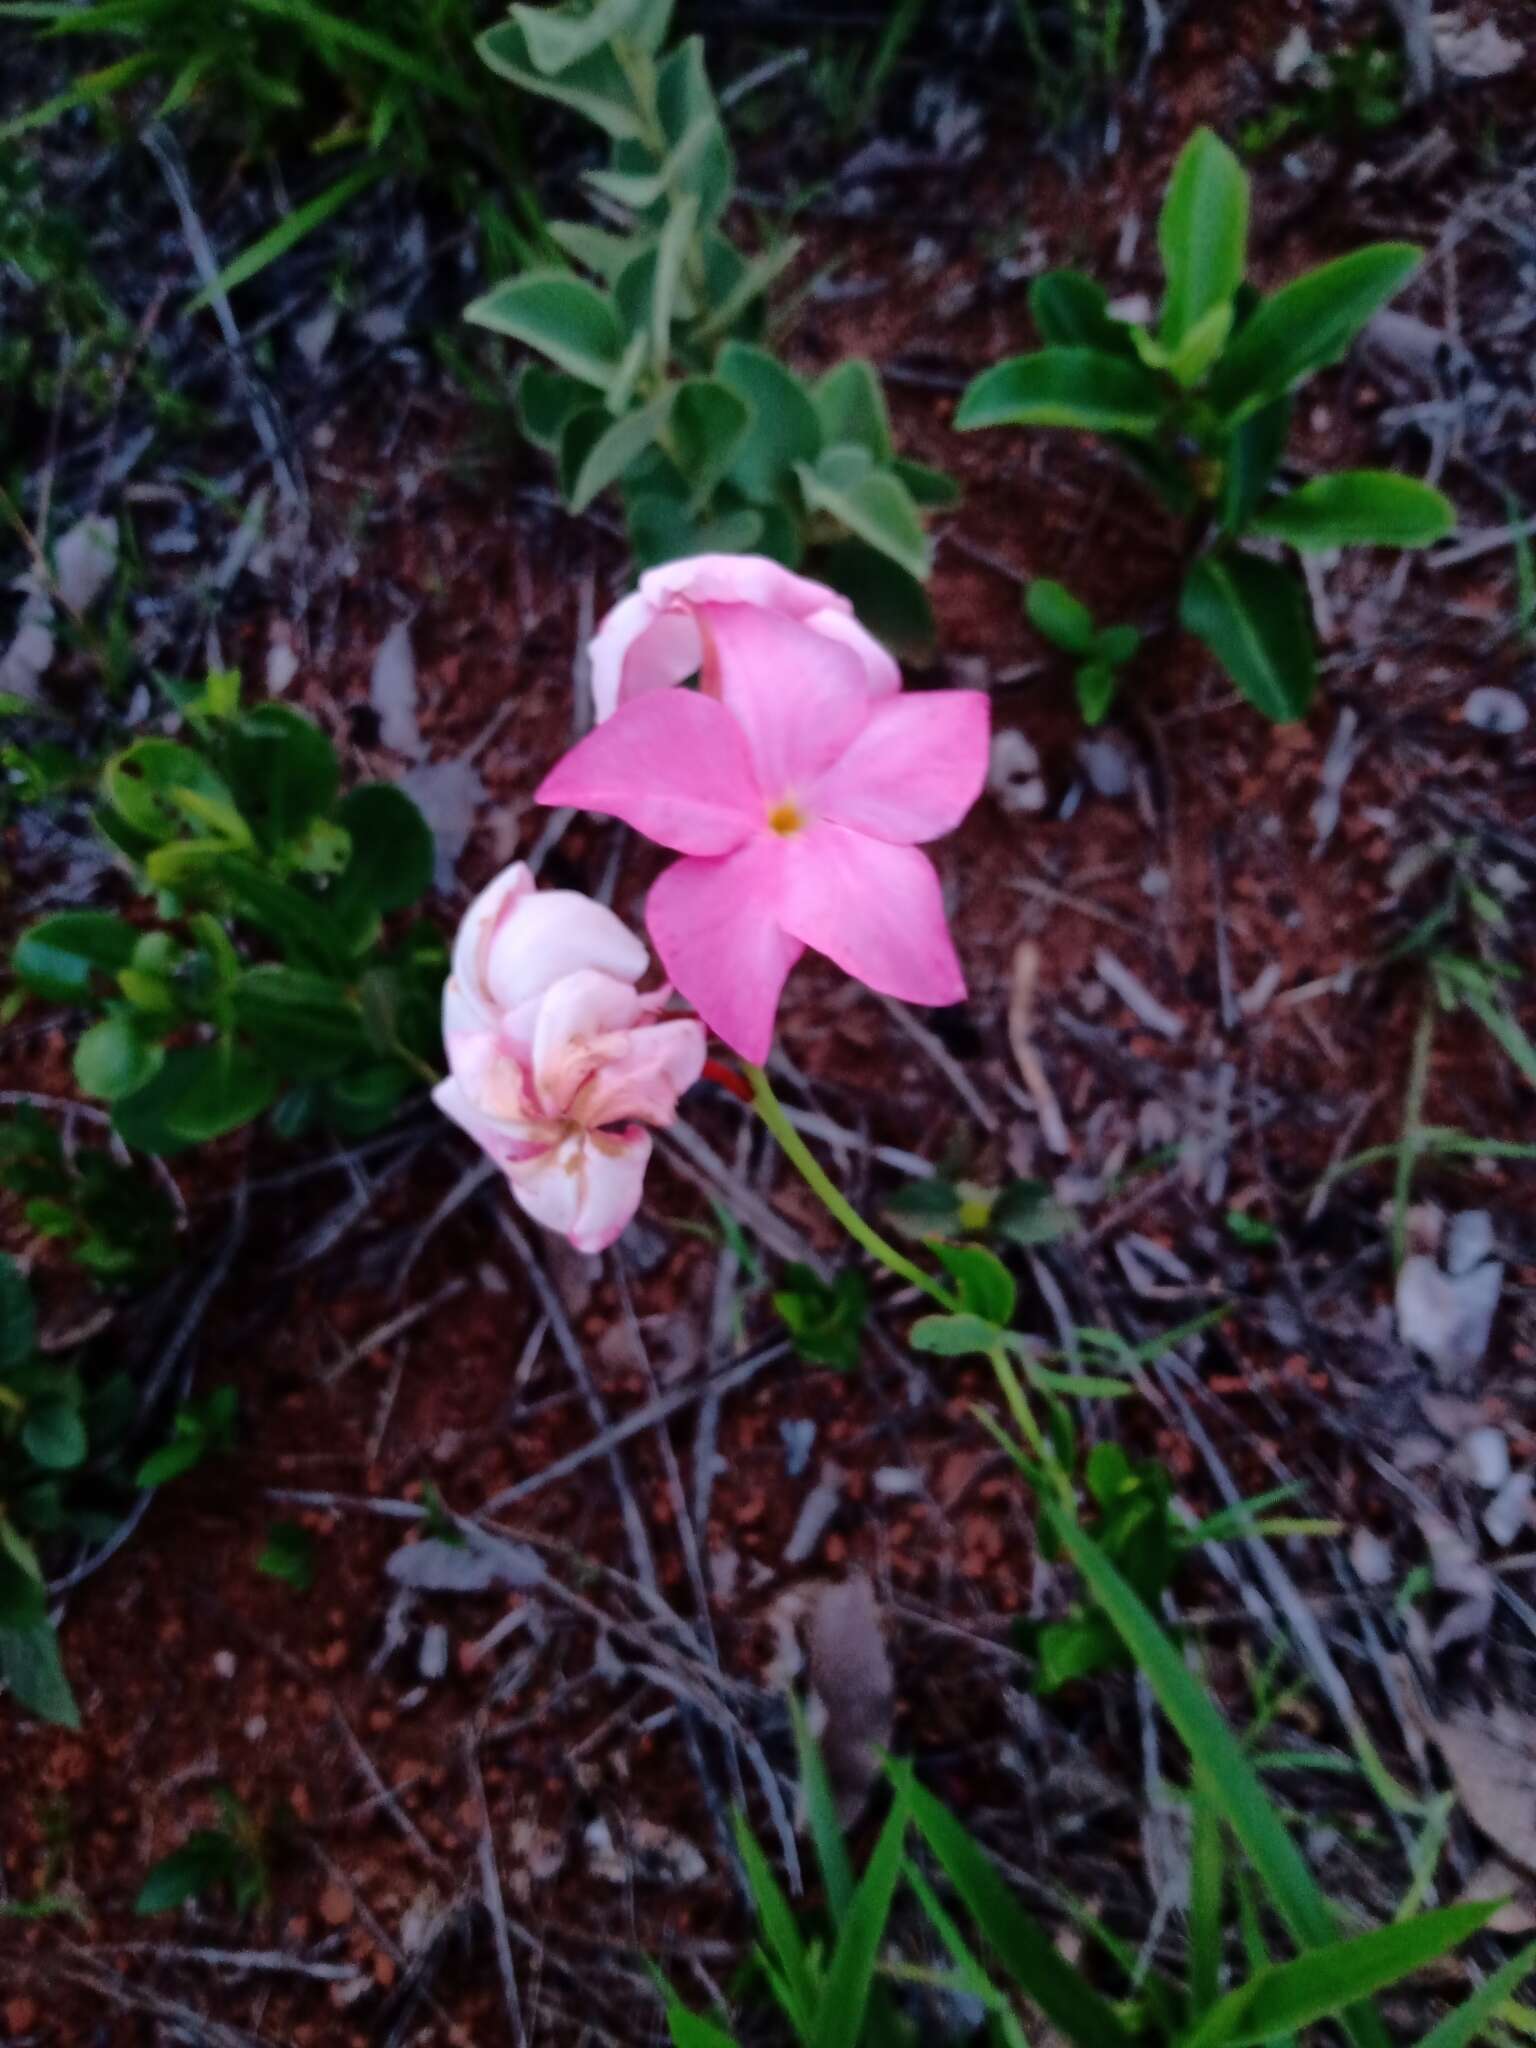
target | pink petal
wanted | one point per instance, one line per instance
(495, 903)
(880, 671)
(673, 764)
(873, 908)
(510, 1144)
(552, 934)
(588, 1189)
(799, 697)
(641, 1082)
(715, 925)
(739, 579)
(582, 1022)
(638, 648)
(915, 769)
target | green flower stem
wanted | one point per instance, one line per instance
(1018, 1404)
(799, 1155)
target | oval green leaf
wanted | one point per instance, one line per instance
(1253, 615)
(1359, 508)
(1065, 387)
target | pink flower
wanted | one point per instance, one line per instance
(799, 799)
(555, 1060)
(652, 639)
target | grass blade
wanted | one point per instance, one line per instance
(1032, 1959)
(1318, 1985)
(821, 1817)
(851, 1972)
(1463, 2026)
(95, 85)
(291, 229)
(1207, 1887)
(1234, 1784)
(796, 1986)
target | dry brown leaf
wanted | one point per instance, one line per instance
(1021, 1017)
(853, 1691)
(1494, 1879)
(1493, 1766)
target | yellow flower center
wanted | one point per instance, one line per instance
(786, 818)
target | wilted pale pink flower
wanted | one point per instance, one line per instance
(555, 1061)
(799, 799)
(652, 638)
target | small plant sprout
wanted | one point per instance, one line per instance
(661, 380)
(264, 980)
(1100, 652)
(1200, 408)
(228, 1860)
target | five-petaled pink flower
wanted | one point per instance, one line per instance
(652, 639)
(555, 1060)
(798, 786)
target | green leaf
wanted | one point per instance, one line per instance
(53, 1434)
(58, 957)
(1254, 617)
(566, 319)
(1096, 683)
(556, 38)
(709, 425)
(1202, 236)
(1234, 1784)
(850, 405)
(1308, 325)
(870, 503)
(1072, 311)
(114, 1058)
(850, 1970)
(955, 1336)
(1117, 645)
(204, 1861)
(392, 858)
(18, 1318)
(547, 401)
(596, 86)
(200, 1094)
(1207, 1892)
(987, 1288)
(1064, 619)
(890, 602)
(1021, 1943)
(782, 426)
(688, 2030)
(283, 771)
(1327, 1980)
(595, 249)
(159, 787)
(23, 1599)
(1200, 347)
(615, 449)
(667, 276)
(1065, 387)
(934, 490)
(306, 1022)
(1253, 454)
(685, 105)
(289, 1555)
(1358, 508)
(31, 1666)
(1469, 2021)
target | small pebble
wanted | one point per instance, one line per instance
(1107, 763)
(1484, 1457)
(1494, 710)
(225, 1664)
(1013, 773)
(1509, 1510)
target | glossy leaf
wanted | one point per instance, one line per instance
(1072, 311)
(1254, 617)
(1358, 508)
(1202, 236)
(1065, 387)
(1308, 324)
(159, 787)
(60, 956)
(114, 1057)
(392, 856)
(1064, 619)
(568, 320)
(1252, 455)
(1097, 685)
